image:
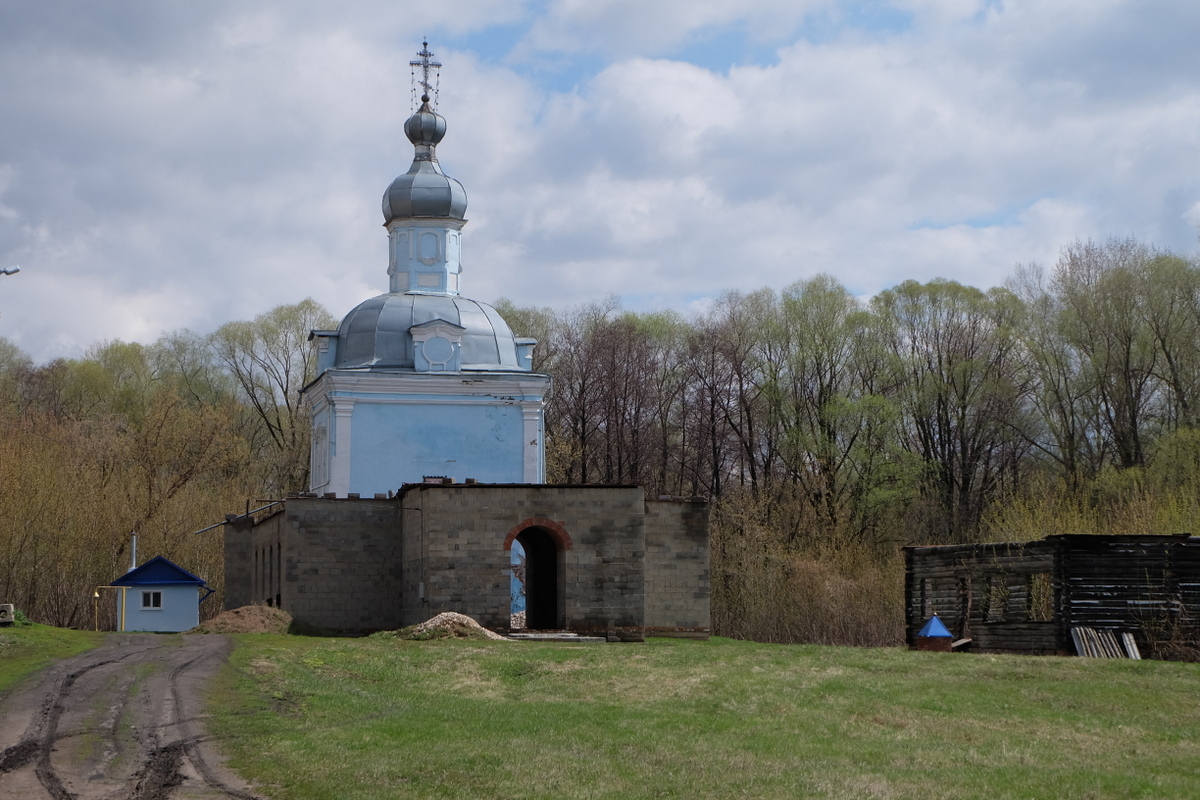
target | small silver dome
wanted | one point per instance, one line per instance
(376, 333)
(426, 126)
(424, 191)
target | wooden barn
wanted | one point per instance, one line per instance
(1026, 597)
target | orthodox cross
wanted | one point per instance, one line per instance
(427, 65)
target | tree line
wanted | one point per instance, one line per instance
(827, 430)
(903, 418)
(161, 439)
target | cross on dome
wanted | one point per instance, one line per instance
(425, 191)
(427, 66)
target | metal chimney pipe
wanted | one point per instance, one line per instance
(133, 552)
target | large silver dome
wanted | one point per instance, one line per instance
(376, 333)
(424, 191)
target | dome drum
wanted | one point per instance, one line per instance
(424, 256)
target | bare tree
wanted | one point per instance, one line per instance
(959, 381)
(271, 360)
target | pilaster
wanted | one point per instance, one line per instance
(534, 447)
(339, 467)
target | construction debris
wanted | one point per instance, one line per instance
(1100, 643)
(247, 619)
(447, 625)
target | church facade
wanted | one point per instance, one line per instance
(428, 468)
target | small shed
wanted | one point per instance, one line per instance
(1026, 597)
(161, 597)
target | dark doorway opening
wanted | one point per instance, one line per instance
(542, 573)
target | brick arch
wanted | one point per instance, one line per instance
(550, 526)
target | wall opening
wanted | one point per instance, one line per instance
(995, 602)
(537, 550)
(544, 608)
(516, 586)
(1040, 597)
(964, 607)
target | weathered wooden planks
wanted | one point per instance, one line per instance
(1029, 596)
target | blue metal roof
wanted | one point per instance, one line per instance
(377, 332)
(158, 571)
(935, 628)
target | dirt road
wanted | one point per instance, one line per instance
(122, 721)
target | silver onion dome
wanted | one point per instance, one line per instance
(376, 333)
(424, 191)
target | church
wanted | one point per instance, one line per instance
(428, 467)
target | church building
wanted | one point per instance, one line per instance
(422, 381)
(428, 465)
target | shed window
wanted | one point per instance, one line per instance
(151, 599)
(1040, 597)
(995, 602)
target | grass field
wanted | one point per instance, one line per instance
(340, 718)
(24, 649)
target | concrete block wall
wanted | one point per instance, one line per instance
(678, 588)
(239, 562)
(632, 567)
(342, 567)
(465, 566)
(266, 561)
(606, 580)
(253, 558)
(414, 598)
(462, 565)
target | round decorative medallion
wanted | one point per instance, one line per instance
(438, 350)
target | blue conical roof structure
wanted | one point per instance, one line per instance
(935, 628)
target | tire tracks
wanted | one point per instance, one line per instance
(39, 739)
(165, 726)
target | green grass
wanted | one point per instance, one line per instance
(24, 649)
(366, 718)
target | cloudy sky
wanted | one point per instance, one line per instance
(169, 165)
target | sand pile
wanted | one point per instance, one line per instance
(247, 619)
(447, 625)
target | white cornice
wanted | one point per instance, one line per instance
(425, 222)
(459, 385)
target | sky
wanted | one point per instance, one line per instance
(169, 165)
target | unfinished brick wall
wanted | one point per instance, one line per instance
(239, 560)
(360, 565)
(253, 557)
(453, 559)
(678, 590)
(341, 563)
(461, 531)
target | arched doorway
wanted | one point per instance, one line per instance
(542, 591)
(542, 572)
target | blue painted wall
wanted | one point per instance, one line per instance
(393, 445)
(180, 608)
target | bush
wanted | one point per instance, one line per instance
(770, 586)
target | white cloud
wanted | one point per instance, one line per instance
(187, 167)
(630, 27)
